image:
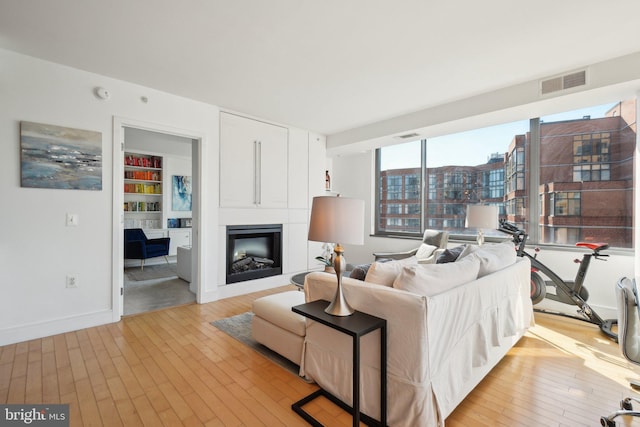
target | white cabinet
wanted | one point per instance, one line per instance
(179, 237)
(253, 163)
(298, 169)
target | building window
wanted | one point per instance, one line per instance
(432, 185)
(394, 209)
(591, 157)
(411, 187)
(565, 203)
(413, 209)
(394, 187)
(515, 170)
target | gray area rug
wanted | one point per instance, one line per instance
(156, 294)
(151, 272)
(239, 327)
(155, 287)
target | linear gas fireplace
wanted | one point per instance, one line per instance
(253, 251)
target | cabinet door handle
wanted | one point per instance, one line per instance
(259, 174)
(255, 172)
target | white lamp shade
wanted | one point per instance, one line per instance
(337, 220)
(481, 216)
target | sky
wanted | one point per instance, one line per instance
(454, 149)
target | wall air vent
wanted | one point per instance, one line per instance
(407, 135)
(567, 81)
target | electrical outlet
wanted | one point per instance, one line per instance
(72, 280)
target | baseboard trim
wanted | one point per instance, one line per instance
(47, 328)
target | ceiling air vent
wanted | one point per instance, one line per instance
(407, 135)
(568, 81)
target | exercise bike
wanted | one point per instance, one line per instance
(567, 292)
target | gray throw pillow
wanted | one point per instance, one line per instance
(360, 271)
(450, 255)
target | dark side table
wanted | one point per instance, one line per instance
(356, 326)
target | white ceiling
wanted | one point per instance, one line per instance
(323, 65)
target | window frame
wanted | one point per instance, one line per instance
(531, 200)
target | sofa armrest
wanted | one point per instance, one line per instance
(160, 241)
(432, 258)
(135, 249)
(395, 255)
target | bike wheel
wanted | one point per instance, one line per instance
(538, 288)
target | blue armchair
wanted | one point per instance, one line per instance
(137, 246)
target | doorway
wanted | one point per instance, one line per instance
(156, 188)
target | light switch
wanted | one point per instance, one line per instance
(72, 220)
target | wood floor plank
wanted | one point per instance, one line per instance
(172, 368)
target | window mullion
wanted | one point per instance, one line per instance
(533, 164)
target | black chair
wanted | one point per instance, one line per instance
(138, 246)
(628, 340)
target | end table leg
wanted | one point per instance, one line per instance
(356, 381)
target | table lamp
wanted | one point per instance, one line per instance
(337, 219)
(481, 217)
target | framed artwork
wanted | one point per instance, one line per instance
(60, 157)
(181, 200)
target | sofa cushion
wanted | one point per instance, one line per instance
(433, 279)
(276, 309)
(384, 273)
(450, 255)
(494, 257)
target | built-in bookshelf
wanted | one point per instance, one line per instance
(142, 190)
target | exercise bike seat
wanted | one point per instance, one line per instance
(596, 247)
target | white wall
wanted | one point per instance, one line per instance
(37, 250)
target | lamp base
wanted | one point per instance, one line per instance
(339, 306)
(480, 238)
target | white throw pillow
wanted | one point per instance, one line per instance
(494, 257)
(433, 279)
(468, 249)
(425, 251)
(384, 273)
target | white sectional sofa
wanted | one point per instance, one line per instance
(445, 332)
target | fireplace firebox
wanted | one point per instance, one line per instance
(253, 251)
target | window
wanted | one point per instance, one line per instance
(394, 209)
(411, 187)
(565, 203)
(583, 177)
(399, 189)
(394, 187)
(591, 157)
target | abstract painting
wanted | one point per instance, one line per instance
(60, 157)
(181, 200)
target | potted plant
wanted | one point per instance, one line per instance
(327, 257)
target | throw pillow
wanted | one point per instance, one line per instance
(425, 251)
(359, 272)
(468, 249)
(450, 255)
(433, 279)
(494, 257)
(384, 273)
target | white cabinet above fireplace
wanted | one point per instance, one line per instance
(253, 163)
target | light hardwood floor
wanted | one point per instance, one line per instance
(171, 367)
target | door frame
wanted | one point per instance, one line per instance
(117, 261)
